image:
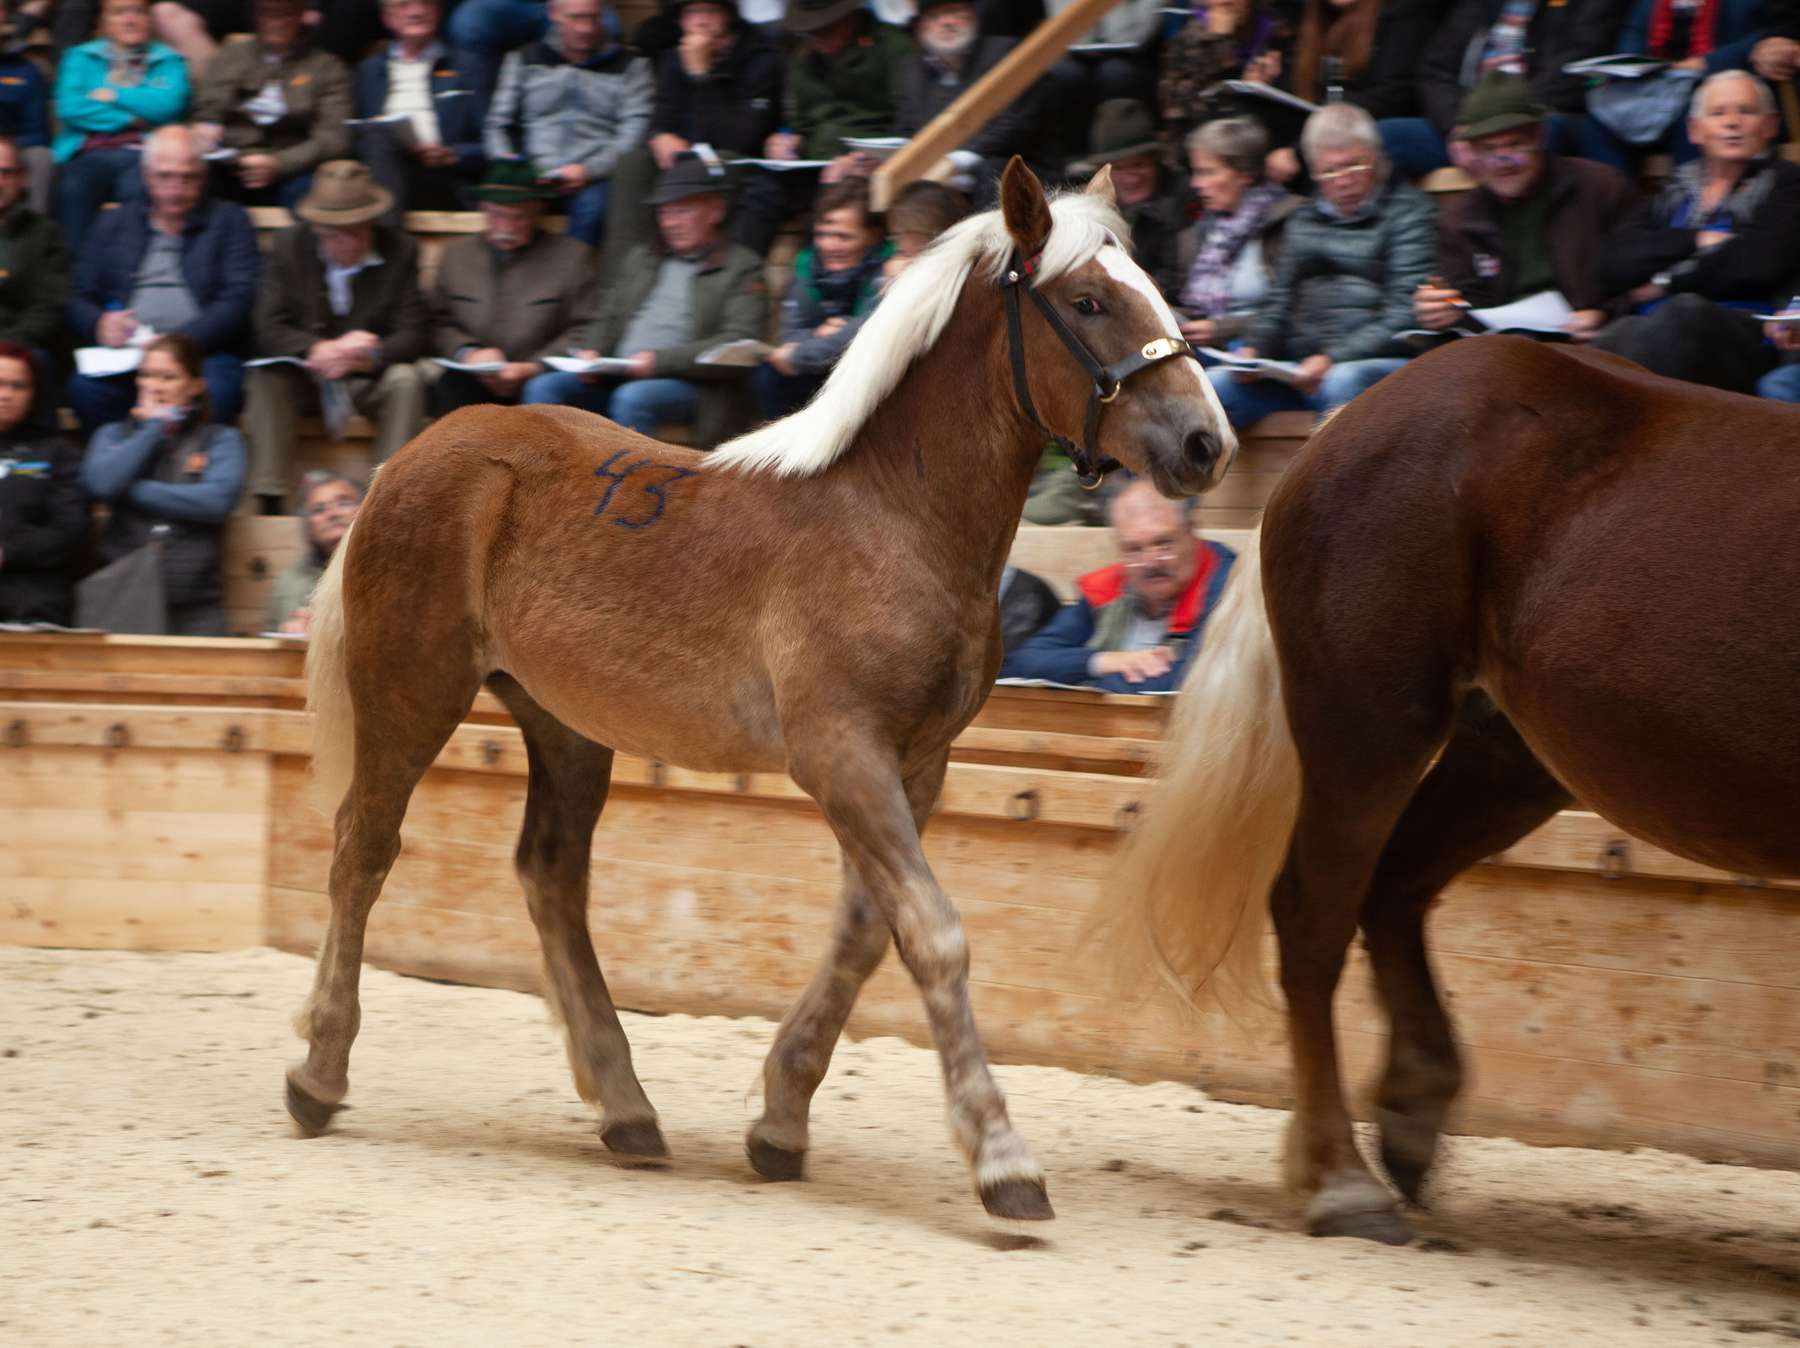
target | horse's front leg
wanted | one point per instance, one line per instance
(860, 790)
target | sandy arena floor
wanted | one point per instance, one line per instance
(151, 1192)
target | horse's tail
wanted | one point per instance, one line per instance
(1188, 896)
(328, 687)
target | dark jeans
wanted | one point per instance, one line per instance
(778, 394)
(454, 389)
(86, 183)
(1691, 338)
(97, 402)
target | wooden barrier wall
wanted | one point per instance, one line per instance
(157, 793)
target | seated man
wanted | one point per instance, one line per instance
(692, 291)
(432, 160)
(1152, 196)
(328, 504)
(44, 528)
(1351, 259)
(1535, 222)
(277, 101)
(1716, 245)
(574, 104)
(340, 299)
(170, 262)
(34, 266)
(951, 57)
(1137, 622)
(512, 294)
(25, 117)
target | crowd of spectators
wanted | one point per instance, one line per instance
(1265, 155)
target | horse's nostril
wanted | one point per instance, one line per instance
(1200, 448)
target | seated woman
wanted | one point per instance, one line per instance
(1223, 40)
(328, 503)
(1716, 245)
(110, 94)
(43, 514)
(836, 279)
(1351, 258)
(170, 473)
(1225, 260)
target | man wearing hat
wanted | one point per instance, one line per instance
(674, 300)
(340, 295)
(951, 57)
(1152, 196)
(1534, 223)
(511, 294)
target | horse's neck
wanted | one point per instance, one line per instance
(948, 459)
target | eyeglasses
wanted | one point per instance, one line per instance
(318, 508)
(1348, 171)
(1162, 552)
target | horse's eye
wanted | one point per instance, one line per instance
(1087, 306)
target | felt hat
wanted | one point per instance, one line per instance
(344, 192)
(1498, 102)
(1124, 128)
(512, 182)
(687, 176)
(808, 16)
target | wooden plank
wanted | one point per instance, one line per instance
(102, 914)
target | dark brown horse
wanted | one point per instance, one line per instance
(819, 598)
(1554, 574)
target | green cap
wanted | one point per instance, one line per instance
(1498, 102)
(510, 182)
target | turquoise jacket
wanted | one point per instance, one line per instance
(159, 100)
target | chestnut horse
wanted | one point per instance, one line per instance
(1508, 577)
(818, 597)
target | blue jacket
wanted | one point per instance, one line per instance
(159, 100)
(24, 101)
(462, 82)
(219, 257)
(1741, 24)
(1060, 650)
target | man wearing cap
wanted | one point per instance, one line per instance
(1152, 196)
(574, 103)
(673, 301)
(513, 294)
(170, 261)
(422, 106)
(952, 56)
(340, 295)
(1534, 223)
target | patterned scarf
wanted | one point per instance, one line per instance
(1702, 27)
(125, 66)
(1208, 287)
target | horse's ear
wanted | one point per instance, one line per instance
(1101, 185)
(1024, 208)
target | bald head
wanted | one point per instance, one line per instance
(1156, 544)
(174, 175)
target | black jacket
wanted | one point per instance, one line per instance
(1558, 34)
(924, 94)
(34, 280)
(1758, 262)
(1388, 86)
(734, 108)
(43, 525)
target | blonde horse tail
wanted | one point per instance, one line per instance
(1188, 897)
(328, 687)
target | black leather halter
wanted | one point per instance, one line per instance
(1108, 379)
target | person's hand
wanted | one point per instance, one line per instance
(1222, 18)
(1646, 293)
(1434, 306)
(1312, 370)
(698, 51)
(257, 171)
(434, 156)
(664, 146)
(207, 136)
(643, 365)
(1697, 64)
(104, 94)
(782, 145)
(297, 622)
(1201, 331)
(1584, 323)
(510, 377)
(1264, 69)
(1244, 353)
(855, 164)
(1135, 666)
(1711, 238)
(487, 355)
(1283, 165)
(115, 327)
(145, 410)
(830, 327)
(329, 359)
(570, 178)
(588, 354)
(782, 358)
(1776, 58)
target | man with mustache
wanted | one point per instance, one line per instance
(1136, 623)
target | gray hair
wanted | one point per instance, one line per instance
(1240, 143)
(1764, 95)
(1121, 487)
(314, 478)
(1338, 126)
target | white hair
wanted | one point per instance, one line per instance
(1764, 95)
(1337, 126)
(174, 139)
(909, 319)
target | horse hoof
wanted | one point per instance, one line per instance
(1378, 1224)
(637, 1140)
(1408, 1148)
(311, 1115)
(1018, 1200)
(773, 1162)
(1408, 1173)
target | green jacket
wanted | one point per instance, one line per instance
(730, 303)
(34, 280)
(855, 93)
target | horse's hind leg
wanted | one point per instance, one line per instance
(802, 1051)
(1485, 793)
(401, 723)
(568, 784)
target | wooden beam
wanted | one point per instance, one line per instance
(976, 106)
